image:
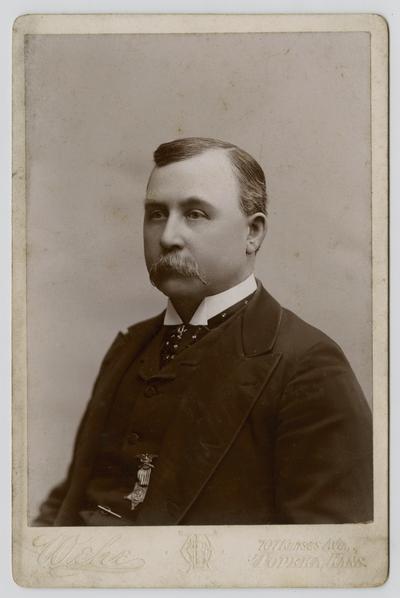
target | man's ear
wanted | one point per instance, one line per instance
(257, 225)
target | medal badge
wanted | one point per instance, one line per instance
(138, 493)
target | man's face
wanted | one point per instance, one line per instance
(192, 215)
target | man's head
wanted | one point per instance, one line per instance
(205, 217)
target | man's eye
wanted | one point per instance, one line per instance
(156, 215)
(195, 214)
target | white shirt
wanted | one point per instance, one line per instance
(212, 305)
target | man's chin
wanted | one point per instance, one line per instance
(178, 286)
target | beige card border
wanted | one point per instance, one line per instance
(349, 555)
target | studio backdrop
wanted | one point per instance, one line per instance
(97, 106)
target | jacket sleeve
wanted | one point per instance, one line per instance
(49, 508)
(323, 459)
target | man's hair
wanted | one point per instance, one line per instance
(250, 175)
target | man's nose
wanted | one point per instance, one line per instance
(172, 234)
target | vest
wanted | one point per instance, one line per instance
(146, 400)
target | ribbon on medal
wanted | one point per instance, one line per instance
(139, 491)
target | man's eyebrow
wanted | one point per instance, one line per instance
(196, 201)
(153, 203)
(186, 202)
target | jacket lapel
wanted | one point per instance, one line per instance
(224, 385)
(120, 355)
(123, 351)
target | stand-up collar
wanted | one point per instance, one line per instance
(213, 305)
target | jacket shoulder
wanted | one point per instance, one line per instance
(137, 333)
(297, 337)
(146, 325)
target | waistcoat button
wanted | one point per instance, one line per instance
(133, 437)
(150, 391)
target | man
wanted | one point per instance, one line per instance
(226, 408)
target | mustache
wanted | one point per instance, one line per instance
(175, 263)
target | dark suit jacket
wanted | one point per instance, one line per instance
(274, 429)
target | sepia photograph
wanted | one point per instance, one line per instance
(200, 289)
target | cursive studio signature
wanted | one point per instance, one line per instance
(67, 553)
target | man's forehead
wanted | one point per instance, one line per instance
(210, 172)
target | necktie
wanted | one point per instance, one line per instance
(182, 336)
(179, 338)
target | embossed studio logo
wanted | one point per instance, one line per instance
(197, 551)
